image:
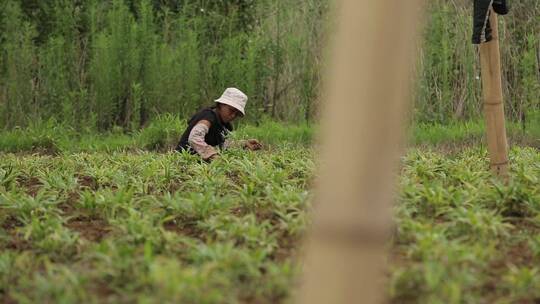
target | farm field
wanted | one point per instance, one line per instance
(144, 226)
(95, 207)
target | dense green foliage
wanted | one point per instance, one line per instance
(449, 85)
(102, 64)
(119, 63)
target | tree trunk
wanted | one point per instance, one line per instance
(143, 118)
(277, 61)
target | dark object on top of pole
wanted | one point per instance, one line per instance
(486, 34)
(482, 31)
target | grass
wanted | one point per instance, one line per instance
(472, 132)
(161, 135)
(164, 133)
(115, 218)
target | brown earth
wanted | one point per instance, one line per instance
(90, 228)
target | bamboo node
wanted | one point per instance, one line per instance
(493, 103)
(351, 235)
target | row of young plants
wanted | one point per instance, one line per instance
(464, 237)
(143, 226)
(152, 227)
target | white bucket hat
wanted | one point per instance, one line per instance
(234, 98)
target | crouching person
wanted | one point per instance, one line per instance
(208, 129)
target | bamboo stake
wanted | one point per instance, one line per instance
(490, 60)
(362, 132)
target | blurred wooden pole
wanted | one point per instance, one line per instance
(490, 60)
(363, 126)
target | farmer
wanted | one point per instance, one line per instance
(207, 130)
